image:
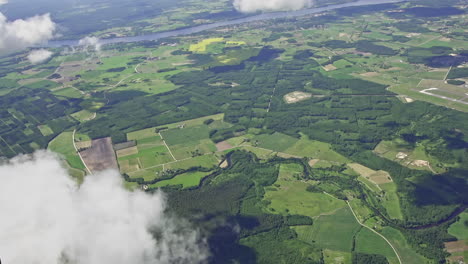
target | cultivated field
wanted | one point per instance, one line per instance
(100, 156)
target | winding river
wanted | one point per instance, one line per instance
(200, 28)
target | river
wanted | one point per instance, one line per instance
(200, 28)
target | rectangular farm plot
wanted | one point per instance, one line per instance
(193, 149)
(45, 130)
(187, 180)
(370, 243)
(127, 151)
(147, 174)
(185, 135)
(335, 231)
(146, 157)
(205, 161)
(129, 165)
(100, 156)
(142, 134)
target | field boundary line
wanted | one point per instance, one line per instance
(386, 240)
(8, 145)
(419, 83)
(427, 41)
(170, 152)
(79, 154)
(446, 75)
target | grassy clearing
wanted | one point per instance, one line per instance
(259, 152)
(336, 257)
(185, 135)
(315, 150)
(149, 156)
(147, 174)
(205, 161)
(63, 145)
(460, 228)
(370, 243)
(68, 92)
(276, 141)
(148, 83)
(193, 149)
(289, 195)
(334, 231)
(187, 180)
(83, 115)
(142, 134)
(391, 201)
(151, 132)
(45, 130)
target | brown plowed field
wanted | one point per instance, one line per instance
(100, 156)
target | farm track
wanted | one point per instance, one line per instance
(386, 240)
(79, 154)
(164, 142)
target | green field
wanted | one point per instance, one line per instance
(187, 180)
(334, 231)
(193, 149)
(69, 92)
(406, 252)
(148, 83)
(315, 150)
(63, 145)
(184, 135)
(147, 156)
(45, 130)
(336, 257)
(460, 228)
(83, 115)
(391, 201)
(290, 195)
(370, 243)
(206, 161)
(149, 132)
(276, 141)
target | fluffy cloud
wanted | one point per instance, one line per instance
(2, 2)
(90, 43)
(39, 56)
(248, 6)
(48, 219)
(22, 33)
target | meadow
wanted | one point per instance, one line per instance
(288, 195)
(63, 145)
(334, 231)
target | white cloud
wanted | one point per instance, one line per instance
(39, 56)
(22, 33)
(47, 218)
(2, 2)
(90, 42)
(248, 6)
